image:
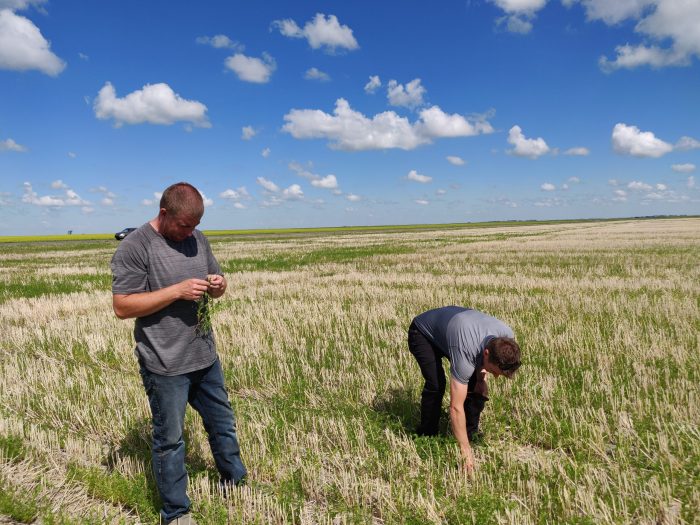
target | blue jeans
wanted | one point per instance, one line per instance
(168, 396)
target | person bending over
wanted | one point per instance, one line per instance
(475, 344)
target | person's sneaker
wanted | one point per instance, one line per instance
(185, 519)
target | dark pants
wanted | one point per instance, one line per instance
(429, 359)
(168, 396)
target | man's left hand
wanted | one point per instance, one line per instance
(481, 386)
(217, 285)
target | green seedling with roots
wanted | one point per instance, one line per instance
(206, 308)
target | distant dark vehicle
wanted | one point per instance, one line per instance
(120, 235)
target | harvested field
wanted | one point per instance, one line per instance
(601, 425)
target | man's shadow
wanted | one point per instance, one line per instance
(400, 411)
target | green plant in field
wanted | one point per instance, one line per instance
(206, 308)
(18, 505)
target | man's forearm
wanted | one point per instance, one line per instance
(459, 429)
(143, 304)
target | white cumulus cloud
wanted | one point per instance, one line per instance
(316, 74)
(687, 143)
(629, 140)
(248, 132)
(674, 21)
(19, 5)
(252, 69)
(548, 186)
(11, 145)
(23, 47)
(373, 84)
(435, 123)
(524, 147)
(577, 152)
(519, 14)
(68, 198)
(207, 201)
(328, 182)
(268, 185)
(321, 32)
(422, 202)
(636, 185)
(350, 130)
(59, 185)
(240, 193)
(454, 160)
(410, 96)
(220, 42)
(417, 177)
(683, 168)
(154, 104)
(266, 152)
(620, 196)
(352, 197)
(294, 192)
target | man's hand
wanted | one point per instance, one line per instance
(192, 289)
(145, 303)
(217, 285)
(481, 386)
(458, 394)
(468, 464)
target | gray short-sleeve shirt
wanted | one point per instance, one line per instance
(461, 335)
(167, 341)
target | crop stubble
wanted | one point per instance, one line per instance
(599, 426)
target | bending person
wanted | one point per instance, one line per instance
(475, 344)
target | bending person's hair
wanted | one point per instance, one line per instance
(504, 352)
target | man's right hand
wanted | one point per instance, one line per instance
(192, 289)
(145, 303)
(468, 464)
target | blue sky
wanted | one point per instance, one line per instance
(320, 113)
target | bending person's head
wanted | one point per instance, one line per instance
(503, 353)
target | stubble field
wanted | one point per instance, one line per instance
(600, 425)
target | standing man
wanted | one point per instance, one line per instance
(474, 343)
(160, 271)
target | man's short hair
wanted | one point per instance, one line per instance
(504, 352)
(182, 199)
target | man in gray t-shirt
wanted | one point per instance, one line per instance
(475, 343)
(162, 273)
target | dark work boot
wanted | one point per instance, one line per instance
(429, 424)
(473, 406)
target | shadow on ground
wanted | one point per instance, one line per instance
(399, 409)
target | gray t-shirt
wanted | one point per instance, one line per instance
(167, 341)
(461, 335)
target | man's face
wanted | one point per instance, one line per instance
(493, 369)
(177, 227)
